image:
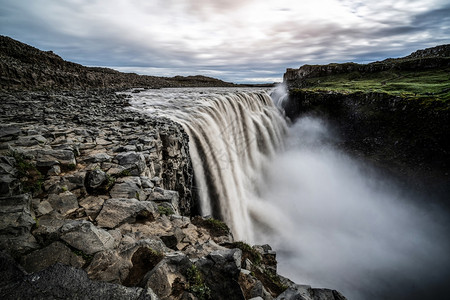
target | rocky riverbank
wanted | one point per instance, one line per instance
(96, 203)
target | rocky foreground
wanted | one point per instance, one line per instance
(96, 202)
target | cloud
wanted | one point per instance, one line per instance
(232, 35)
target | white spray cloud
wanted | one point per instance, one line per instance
(336, 224)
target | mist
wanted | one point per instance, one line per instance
(336, 223)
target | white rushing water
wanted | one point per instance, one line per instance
(333, 221)
(233, 135)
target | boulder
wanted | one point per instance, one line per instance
(15, 214)
(54, 253)
(48, 158)
(134, 162)
(221, 269)
(127, 187)
(84, 236)
(165, 277)
(161, 195)
(97, 158)
(109, 266)
(117, 211)
(305, 292)
(95, 179)
(63, 203)
(92, 205)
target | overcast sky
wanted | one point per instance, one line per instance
(234, 40)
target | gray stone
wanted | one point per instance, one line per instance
(162, 277)
(9, 185)
(18, 244)
(161, 195)
(15, 214)
(146, 182)
(48, 158)
(84, 236)
(48, 230)
(92, 205)
(97, 158)
(54, 253)
(61, 282)
(118, 211)
(109, 266)
(95, 178)
(63, 203)
(10, 131)
(133, 161)
(221, 271)
(305, 292)
(127, 187)
(44, 208)
(54, 170)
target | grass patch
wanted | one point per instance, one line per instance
(30, 177)
(247, 252)
(196, 284)
(426, 84)
(165, 210)
(215, 227)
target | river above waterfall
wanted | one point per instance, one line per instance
(334, 221)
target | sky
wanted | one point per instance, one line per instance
(243, 41)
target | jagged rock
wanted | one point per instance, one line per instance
(92, 205)
(161, 195)
(9, 131)
(127, 187)
(221, 271)
(54, 170)
(84, 236)
(252, 288)
(61, 282)
(97, 158)
(48, 230)
(95, 179)
(44, 208)
(64, 203)
(305, 292)
(146, 182)
(117, 211)
(15, 214)
(163, 276)
(9, 185)
(48, 158)
(54, 253)
(134, 162)
(109, 266)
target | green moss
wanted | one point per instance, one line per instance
(196, 284)
(164, 210)
(124, 173)
(247, 252)
(109, 182)
(216, 227)
(29, 176)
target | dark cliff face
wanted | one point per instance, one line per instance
(23, 67)
(406, 138)
(394, 113)
(431, 58)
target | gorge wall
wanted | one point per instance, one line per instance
(404, 134)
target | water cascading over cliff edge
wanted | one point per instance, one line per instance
(232, 138)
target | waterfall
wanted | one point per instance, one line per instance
(233, 136)
(333, 221)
